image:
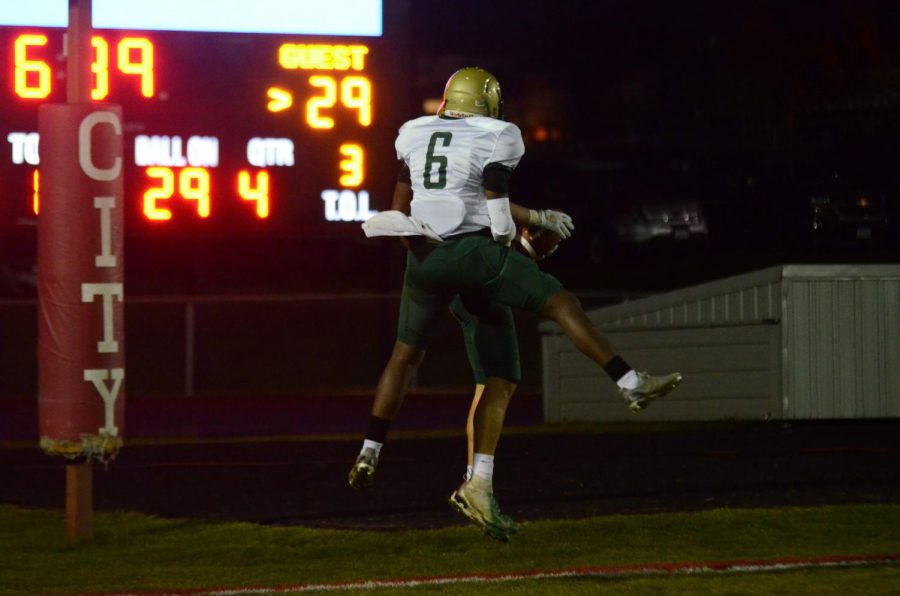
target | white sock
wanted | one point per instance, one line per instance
(468, 473)
(629, 381)
(483, 466)
(374, 445)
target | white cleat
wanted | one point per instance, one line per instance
(649, 387)
(362, 474)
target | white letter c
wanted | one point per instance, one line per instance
(84, 146)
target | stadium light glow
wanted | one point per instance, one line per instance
(298, 17)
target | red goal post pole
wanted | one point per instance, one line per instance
(81, 342)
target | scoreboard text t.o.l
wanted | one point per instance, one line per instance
(271, 115)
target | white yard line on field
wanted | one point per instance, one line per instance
(681, 568)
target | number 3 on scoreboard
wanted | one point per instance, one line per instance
(352, 166)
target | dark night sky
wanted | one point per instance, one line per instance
(748, 107)
(666, 67)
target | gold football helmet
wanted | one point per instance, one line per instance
(472, 91)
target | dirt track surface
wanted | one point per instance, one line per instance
(539, 475)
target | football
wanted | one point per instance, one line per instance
(537, 243)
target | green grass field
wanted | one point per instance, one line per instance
(135, 552)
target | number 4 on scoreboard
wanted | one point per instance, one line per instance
(258, 192)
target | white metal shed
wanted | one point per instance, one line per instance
(788, 342)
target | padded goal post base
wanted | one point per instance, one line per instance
(81, 343)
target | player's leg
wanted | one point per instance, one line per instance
(637, 388)
(475, 497)
(420, 312)
(468, 323)
(497, 347)
(395, 379)
(564, 308)
(389, 395)
(470, 432)
(487, 421)
(498, 350)
(521, 284)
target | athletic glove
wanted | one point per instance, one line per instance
(549, 219)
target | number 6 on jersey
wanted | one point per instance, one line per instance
(441, 160)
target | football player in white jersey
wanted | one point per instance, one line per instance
(455, 187)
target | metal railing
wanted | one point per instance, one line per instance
(280, 343)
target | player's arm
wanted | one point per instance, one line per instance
(403, 193)
(495, 179)
(549, 219)
(521, 215)
(503, 227)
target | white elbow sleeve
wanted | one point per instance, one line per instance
(503, 228)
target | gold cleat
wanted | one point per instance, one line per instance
(362, 474)
(475, 500)
(650, 387)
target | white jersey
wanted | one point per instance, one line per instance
(446, 160)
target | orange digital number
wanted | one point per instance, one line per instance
(163, 192)
(356, 94)
(353, 166)
(193, 184)
(258, 192)
(36, 86)
(100, 68)
(326, 100)
(36, 197)
(142, 66)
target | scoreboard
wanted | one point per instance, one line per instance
(271, 116)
